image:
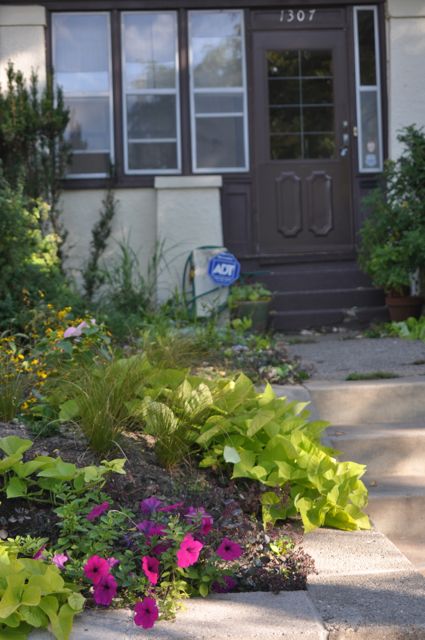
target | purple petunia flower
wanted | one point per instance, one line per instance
(229, 550)
(105, 590)
(96, 568)
(149, 505)
(188, 552)
(59, 560)
(146, 613)
(150, 528)
(150, 568)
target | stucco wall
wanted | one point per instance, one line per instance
(406, 66)
(134, 224)
(23, 40)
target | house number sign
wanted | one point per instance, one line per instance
(297, 15)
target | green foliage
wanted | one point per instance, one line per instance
(28, 256)
(248, 292)
(97, 400)
(13, 386)
(33, 594)
(33, 150)
(371, 375)
(412, 328)
(270, 440)
(393, 235)
(45, 478)
(92, 274)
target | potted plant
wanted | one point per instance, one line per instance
(251, 301)
(392, 245)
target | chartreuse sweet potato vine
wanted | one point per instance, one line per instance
(264, 437)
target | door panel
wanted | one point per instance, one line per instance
(302, 143)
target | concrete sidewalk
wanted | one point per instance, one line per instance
(365, 589)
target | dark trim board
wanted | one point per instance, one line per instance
(122, 5)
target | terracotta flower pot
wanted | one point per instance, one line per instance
(402, 307)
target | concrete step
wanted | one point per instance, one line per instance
(398, 449)
(397, 509)
(313, 318)
(328, 299)
(381, 401)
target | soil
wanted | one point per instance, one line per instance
(234, 505)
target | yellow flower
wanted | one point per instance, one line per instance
(21, 357)
(42, 374)
(34, 362)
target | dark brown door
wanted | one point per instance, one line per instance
(302, 145)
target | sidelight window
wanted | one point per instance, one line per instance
(368, 90)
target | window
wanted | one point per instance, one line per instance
(150, 92)
(146, 85)
(217, 91)
(82, 65)
(368, 90)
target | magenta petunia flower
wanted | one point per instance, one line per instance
(146, 613)
(150, 568)
(188, 552)
(229, 550)
(150, 528)
(96, 568)
(160, 548)
(59, 560)
(97, 511)
(206, 525)
(171, 507)
(105, 590)
(224, 585)
(39, 554)
(149, 505)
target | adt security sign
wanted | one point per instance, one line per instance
(224, 269)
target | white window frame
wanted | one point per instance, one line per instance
(368, 88)
(175, 92)
(242, 90)
(85, 94)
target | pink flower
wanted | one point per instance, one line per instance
(59, 560)
(149, 505)
(112, 562)
(171, 507)
(72, 332)
(188, 552)
(150, 568)
(146, 613)
(96, 568)
(150, 528)
(82, 325)
(225, 584)
(39, 554)
(229, 550)
(105, 590)
(97, 511)
(206, 525)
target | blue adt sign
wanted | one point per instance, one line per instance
(224, 269)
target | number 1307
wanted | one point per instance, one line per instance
(293, 15)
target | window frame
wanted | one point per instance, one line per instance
(360, 89)
(110, 94)
(243, 90)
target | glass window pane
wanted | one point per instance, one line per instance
(81, 52)
(318, 119)
(371, 143)
(90, 163)
(220, 24)
(316, 63)
(149, 45)
(284, 92)
(219, 103)
(285, 147)
(317, 91)
(151, 116)
(220, 142)
(366, 38)
(148, 156)
(89, 124)
(283, 64)
(320, 146)
(217, 62)
(285, 119)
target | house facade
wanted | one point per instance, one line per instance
(258, 126)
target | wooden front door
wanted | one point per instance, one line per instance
(302, 143)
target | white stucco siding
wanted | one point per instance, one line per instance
(188, 216)
(23, 40)
(134, 224)
(406, 67)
